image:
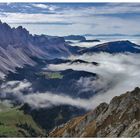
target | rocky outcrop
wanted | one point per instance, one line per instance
(119, 118)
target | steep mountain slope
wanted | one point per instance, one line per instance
(114, 47)
(17, 46)
(119, 118)
(48, 118)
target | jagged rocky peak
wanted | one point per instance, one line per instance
(20, 28)
(12, 36)
(22, 31)
(5, 32)
(22, 38)
(119, 118)
(18, 46)
(4, 26)
(21, 35)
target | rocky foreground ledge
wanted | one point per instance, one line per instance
(119, 118)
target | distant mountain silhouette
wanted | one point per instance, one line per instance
(114, 47)
(75, 37)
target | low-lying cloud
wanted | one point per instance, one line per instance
(13, 91)
(85, 44)
(116, 74)
(41, 100)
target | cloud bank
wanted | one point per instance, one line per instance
(116, 75)
(14, 91)
(86, 44)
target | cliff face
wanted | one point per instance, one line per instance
(119, 118)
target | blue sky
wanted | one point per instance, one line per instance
(73, 18)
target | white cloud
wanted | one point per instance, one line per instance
(45, 6)
(90, 19)
(14, 89)
(40, 100)
(85, 44)
(90, 84)
(116, 74)
(30, 18)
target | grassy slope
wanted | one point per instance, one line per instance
(52, 75)
(14, 123)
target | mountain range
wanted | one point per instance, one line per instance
(17, 46)
(25, 72)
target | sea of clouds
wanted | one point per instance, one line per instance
(117, 73)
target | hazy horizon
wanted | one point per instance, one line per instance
(73, 18)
